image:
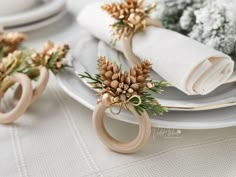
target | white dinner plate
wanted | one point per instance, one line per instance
(39, 24)
(44, 11)
(88, 49)
(211, 119)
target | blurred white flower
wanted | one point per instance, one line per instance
(214, 27)
(212, 22)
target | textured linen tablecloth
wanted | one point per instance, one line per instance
(54, 138)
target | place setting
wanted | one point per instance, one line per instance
(199, 90)
(118, 88)
(126, 66)
(177, 100)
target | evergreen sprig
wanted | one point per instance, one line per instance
(95, 82)
(150, 103)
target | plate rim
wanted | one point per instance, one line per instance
(182, 108)
(35, 14)
(40, 24)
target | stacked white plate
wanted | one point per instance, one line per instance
(45, 13)
(215, 110)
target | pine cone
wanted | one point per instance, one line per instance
(50, 48)
(141, 71)
(122, 11)
(47, 56)
(10, 41)
(108, 71)
(123, 84)
(116, 10)
(10, 63)
(134, 4)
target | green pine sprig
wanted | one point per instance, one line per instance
(150, 103)
(95, 82)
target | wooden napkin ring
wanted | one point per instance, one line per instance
(127, 42)
(118, 146)
(25, 66)
(129, 90)
(39, 88)
(24, 100)
(24, 94)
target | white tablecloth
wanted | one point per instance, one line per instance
(54, 138)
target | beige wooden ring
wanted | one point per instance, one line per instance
(24, 101)
(40, 85)
(127, 43)
(116, 145)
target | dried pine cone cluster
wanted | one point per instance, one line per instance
(130, 16)
(122, 85)
(28, 61)
(51, 56)
(127, 88)
(9, 64)
(9, 42)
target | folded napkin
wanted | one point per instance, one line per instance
(186, 64)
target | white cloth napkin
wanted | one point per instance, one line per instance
(186, 64)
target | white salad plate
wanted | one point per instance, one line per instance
(85, 55)
(210, 119)
(47, 9)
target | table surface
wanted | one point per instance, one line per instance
(55, 138)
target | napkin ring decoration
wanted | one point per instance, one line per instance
(130, 17)
(23, 67)
(128, 90)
